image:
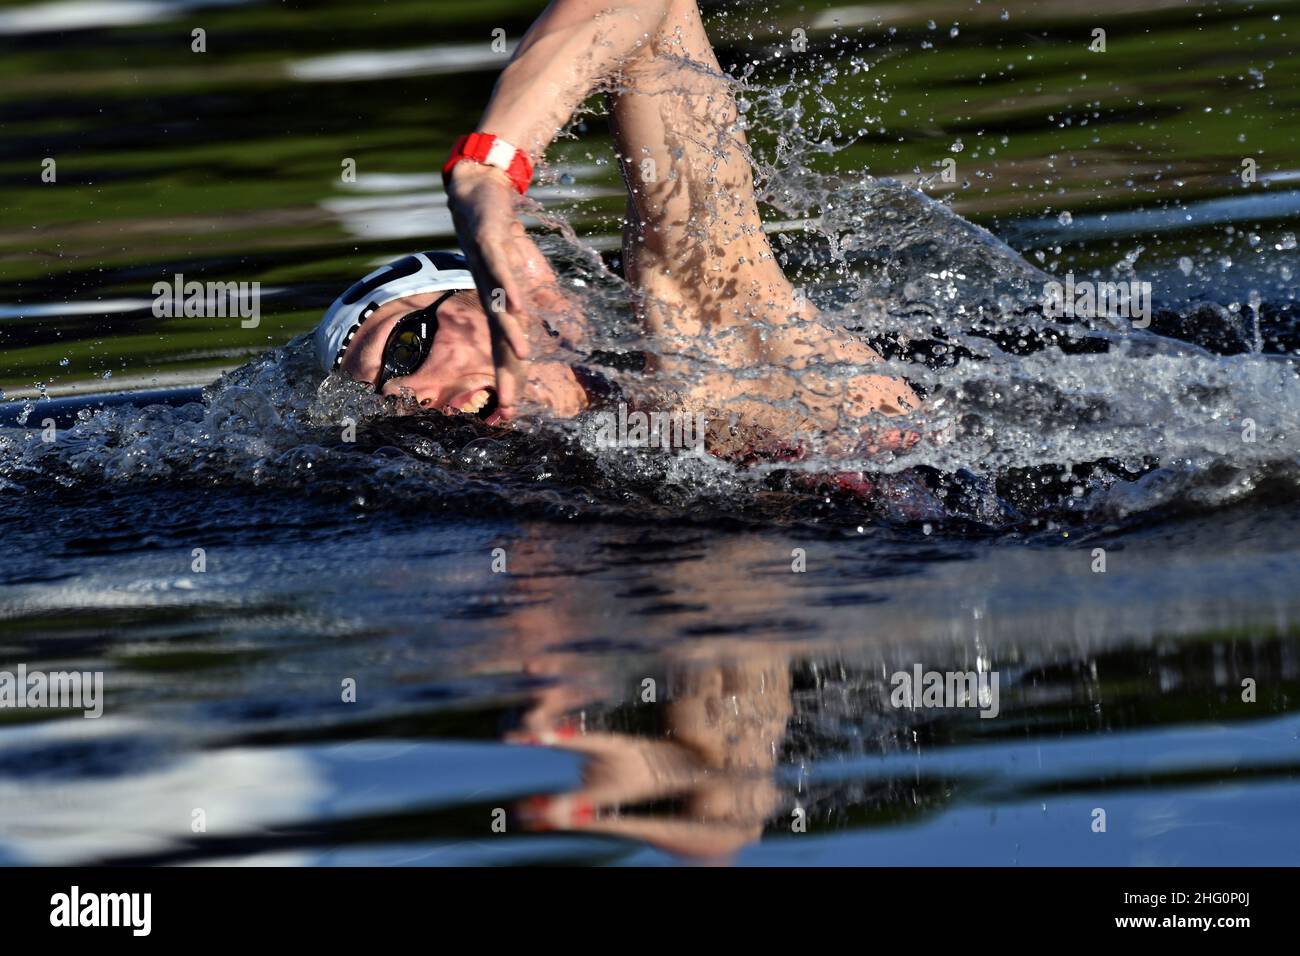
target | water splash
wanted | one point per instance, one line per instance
(1027, 420)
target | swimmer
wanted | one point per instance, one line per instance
(712, 295)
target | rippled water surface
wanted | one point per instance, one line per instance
(649, 679)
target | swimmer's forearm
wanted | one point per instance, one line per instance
(570, 48)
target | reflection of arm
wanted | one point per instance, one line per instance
(570, 48)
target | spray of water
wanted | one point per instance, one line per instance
(1027, 420)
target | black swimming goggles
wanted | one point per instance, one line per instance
(410, 342)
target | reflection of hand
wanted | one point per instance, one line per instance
(720, 813)
(724, 730)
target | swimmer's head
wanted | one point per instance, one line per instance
(417, 327)
(420, 273)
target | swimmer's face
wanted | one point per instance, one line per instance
(456, 375)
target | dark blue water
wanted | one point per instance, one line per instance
(1119, 691)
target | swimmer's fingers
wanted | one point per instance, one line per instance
(511, 370)
(508, 269)
(546, 312)
(494, 265)
(482, 205)
(509, 343)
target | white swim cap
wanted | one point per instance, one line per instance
(413, 275)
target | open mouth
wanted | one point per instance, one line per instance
(480, 402)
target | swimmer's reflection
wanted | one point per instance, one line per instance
(691, 772)
(702, 786)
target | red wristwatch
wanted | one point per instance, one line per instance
(491, 151)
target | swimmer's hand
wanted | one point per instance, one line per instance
(517, 287)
